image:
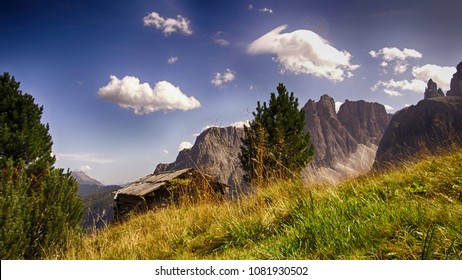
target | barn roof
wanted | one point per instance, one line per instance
(150, 183)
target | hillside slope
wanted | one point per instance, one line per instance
(411, 213)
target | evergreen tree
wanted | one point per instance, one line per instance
(22, 135)
(39, 205)
(275, 144)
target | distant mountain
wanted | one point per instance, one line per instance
(97, 198)
(83, 179)
(345, 143)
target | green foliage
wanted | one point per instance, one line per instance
(275, 143)
(22, 135)
(40, 206)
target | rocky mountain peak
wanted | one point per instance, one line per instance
(215, 152)
(83, 179)
(329, 137)
(432, 90)
(365, 121)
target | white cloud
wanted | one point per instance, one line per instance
(304, 52)
(240, 124)
(388, 108)
(184, 145)
(172, 60)
(129, 93)
(266, 10)
(250, 7)
(220, 41)
(391, 87)
(439, 74)
(396, 58)
(84, 168)
(168, 25)
(337, 106)
(93, 158)
(221, 79)
(391, 54)
(391, 92)
(165, 151)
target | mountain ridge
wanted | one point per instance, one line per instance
(215, 151)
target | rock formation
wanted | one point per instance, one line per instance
(331, 140)
(215, 153)
(428, 127)
(365, 121)
(456, 82)
(432, 90)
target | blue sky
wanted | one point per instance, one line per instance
(124, 83)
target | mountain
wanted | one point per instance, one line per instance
(365, 121)
(434, 124)
(345, 143)
(215, 153)
(83, 179)
(97, 198)
(331, 140)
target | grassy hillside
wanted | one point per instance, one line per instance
(411, 213)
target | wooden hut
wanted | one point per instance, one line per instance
(155, 191)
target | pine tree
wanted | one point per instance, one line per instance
(22, 135)
(40, 206)
(275, 144)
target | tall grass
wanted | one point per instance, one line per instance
(414, 212)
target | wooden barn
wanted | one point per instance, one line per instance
(185, 186)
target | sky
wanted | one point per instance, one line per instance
(126, 84)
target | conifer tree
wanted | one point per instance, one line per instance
(275, 143)
(39, 205)
(22, 135)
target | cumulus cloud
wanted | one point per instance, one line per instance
(396, 58)
(304, 52)
(392, 87)
(184, 145)
(221, 79)
(129, 93)
(168, 25)
(172, 60)
(439, 74)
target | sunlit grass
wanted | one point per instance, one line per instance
(414, 212)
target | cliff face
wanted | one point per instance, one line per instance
(215, 153)
(330, 138)
(431, 125)
(365, 121)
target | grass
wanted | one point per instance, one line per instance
(414, 212)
